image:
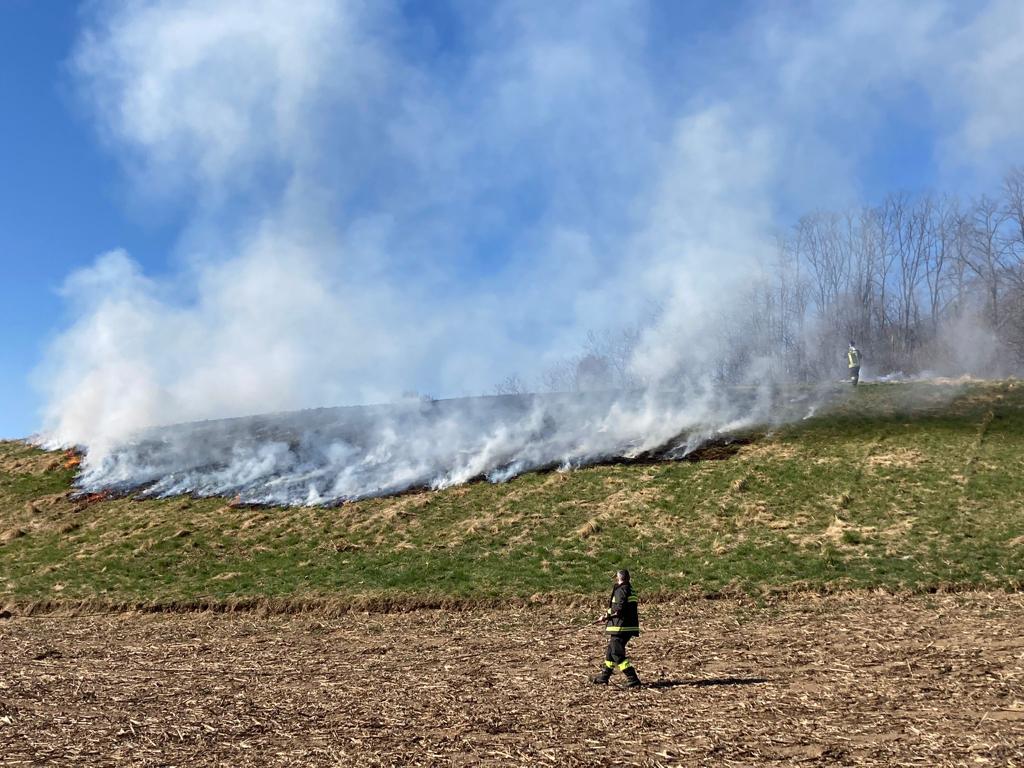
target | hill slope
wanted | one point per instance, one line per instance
(915, 486)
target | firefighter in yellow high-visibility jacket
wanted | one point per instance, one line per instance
(853, 363)
(622, 623)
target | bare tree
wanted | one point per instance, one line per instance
(1012, 248)
(1013, 213)
(902, 278)
(983, 255)
(510, 385)
(616, 349)
(943, 225)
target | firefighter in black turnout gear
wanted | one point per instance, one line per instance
(622, 623)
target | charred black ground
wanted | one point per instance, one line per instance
(326, 456)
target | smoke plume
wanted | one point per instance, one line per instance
(379, 202)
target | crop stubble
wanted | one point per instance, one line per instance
(861, 679)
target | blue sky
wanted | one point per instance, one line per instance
(457, 191)
(62, 198)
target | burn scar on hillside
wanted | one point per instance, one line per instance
(328, 456)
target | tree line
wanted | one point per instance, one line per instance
(923, 283)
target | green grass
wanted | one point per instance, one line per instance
(903, 486)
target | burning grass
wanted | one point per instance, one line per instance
(904, 487)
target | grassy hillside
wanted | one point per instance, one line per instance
(902, 486)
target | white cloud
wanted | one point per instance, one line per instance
(984, 61)
(204, 94)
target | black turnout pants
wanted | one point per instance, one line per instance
(854, 374)
(617, 650)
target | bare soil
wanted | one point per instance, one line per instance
(867, 679)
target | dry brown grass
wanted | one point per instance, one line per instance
(900, 458)
(768, 451)
(861, 497)
(26, 462)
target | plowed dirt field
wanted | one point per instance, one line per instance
(847, 680)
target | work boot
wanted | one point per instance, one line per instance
(603, 677)
(632, 678)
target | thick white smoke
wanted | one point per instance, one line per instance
(371, 211)
(324, 456)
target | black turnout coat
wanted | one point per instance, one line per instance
(623, 617)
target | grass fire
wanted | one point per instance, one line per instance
(866, 563)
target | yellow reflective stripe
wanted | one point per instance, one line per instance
(623, 629)
(633, 598)
(609, 664)
(624, 666)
